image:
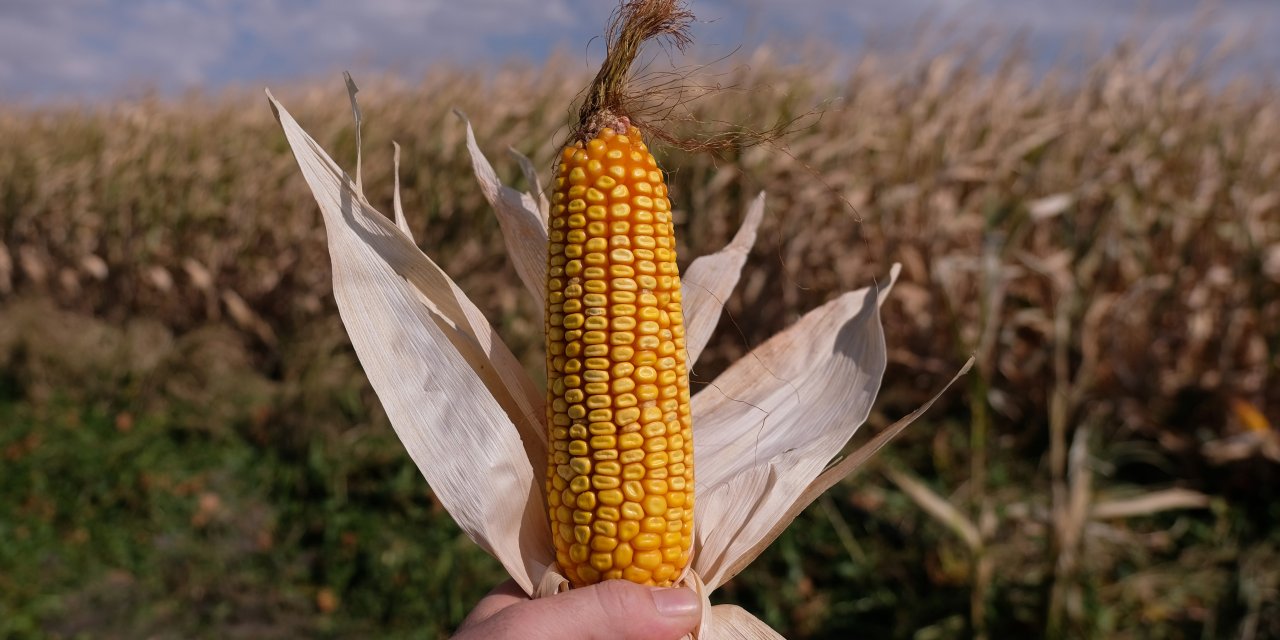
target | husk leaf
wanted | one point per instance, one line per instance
(835, 473)
(767, 426)
(523, 223)
(455, 395)
(707, 283)
(731, 622)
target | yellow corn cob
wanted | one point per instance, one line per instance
(620, 461)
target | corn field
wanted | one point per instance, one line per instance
(189, 447)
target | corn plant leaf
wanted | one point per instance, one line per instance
(709, 280)
(524, 227)
(731, 622)
(455, 395)
(767, 426)
(941, 509)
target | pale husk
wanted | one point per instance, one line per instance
(522, 219)
(709, 280)
(836, 472)
(767, 426)
(531, 176)
(466, 412)
(401, 221)
(731, 622)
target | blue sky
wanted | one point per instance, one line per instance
(84, 50)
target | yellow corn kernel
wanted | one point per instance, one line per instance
(621, 446)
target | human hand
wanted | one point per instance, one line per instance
(612, 610)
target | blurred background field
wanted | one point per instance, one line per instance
(189, 448)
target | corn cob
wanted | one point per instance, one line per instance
(620, 462)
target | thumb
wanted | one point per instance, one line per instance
(616, 609)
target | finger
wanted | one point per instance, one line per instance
(502, 596)
(613, 610)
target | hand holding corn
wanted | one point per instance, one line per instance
(617, 610)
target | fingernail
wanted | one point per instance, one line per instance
(676, 603)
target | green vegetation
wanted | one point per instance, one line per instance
(188, 447)
(193, 497)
